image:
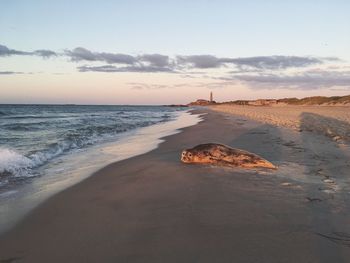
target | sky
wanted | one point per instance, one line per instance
(164, 52)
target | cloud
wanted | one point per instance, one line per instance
(251, 63)
(118, 62)
(10, 72)
(208, 85)
(193, 61)
(156, 60)
(118, 58)
(305, 80)
(5, 51)
(80, 53)
(199, 61)
(83, 54)
(274, 62)
(143, 86)
(215, 84)
(137, 68)
(45, 53)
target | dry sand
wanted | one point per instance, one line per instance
(153, 208)
(332, 121)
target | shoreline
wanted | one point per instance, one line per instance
(153, 208)
(18, 200)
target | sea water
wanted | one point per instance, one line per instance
(46, 148)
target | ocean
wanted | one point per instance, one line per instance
(46, 148)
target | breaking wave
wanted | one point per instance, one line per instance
(13, 163)
(30, 143)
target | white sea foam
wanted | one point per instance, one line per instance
(73, 166)
(32, 135)
(14, 163)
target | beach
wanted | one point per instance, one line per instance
(29, 174)
(153, 208)
(331, 121)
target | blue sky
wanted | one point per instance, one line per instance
(229, 29)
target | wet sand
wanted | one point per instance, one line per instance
(153, 208)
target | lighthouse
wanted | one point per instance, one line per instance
(211, 96)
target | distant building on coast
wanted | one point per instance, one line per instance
(202, 102)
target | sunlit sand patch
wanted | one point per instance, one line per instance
(333, 122)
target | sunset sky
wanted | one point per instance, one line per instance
(161, 52)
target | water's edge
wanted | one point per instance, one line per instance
(16, 204)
